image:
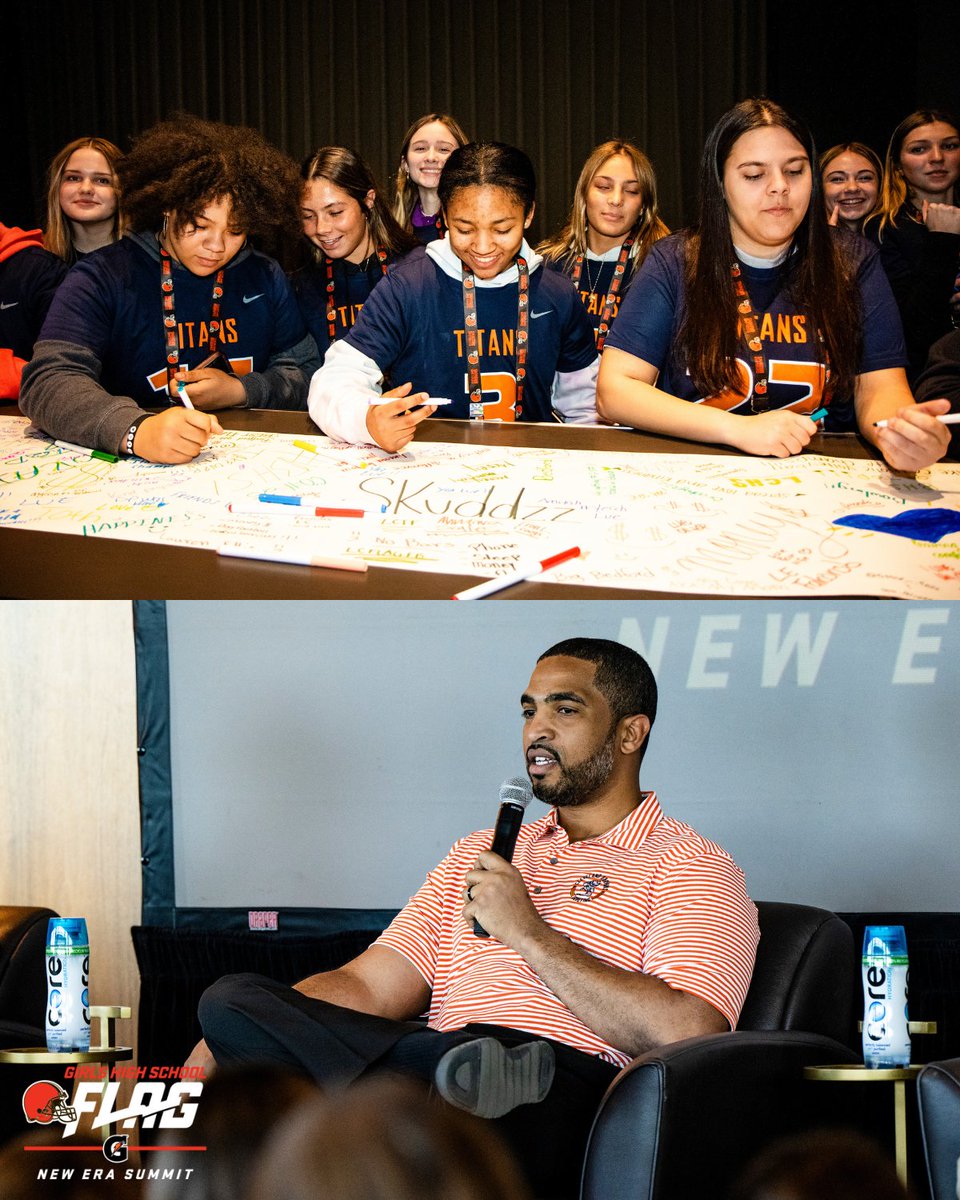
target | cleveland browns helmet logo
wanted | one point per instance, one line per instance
(45, 1102)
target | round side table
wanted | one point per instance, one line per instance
(898, 1076)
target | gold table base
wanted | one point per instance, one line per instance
(898, 1076)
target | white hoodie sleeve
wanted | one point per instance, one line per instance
(342, 391)
(574, 394)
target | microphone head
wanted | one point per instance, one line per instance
(516, 791)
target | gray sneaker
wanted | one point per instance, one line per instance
(487, 1079)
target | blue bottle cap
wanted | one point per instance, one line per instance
(884, 940)
(67, 931)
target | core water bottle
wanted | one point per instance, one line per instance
(68, 977)
(886, 1034)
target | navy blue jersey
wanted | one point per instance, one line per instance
(110, 304)
(412, 327)
(28, 282)
(426, 229)
(352, 284)
(654, 311)
(596, 276)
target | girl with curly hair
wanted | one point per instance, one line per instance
(427, 145)
(743, 330)
(180, 314)
(612, 225)
(83, 210)
(354, 239)
(918, 227)
(472, 318)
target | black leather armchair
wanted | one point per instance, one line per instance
(23, 987)
(938, 1095)
(683, 1120)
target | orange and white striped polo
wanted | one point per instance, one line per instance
(649, 895)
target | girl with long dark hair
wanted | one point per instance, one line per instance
(472, 318)
(353, 236)
(738, 330)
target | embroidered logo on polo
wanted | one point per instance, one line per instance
(589, 887)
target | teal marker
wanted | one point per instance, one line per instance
(818, 415)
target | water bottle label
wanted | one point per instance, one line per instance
(68, 979)
(886, 1035)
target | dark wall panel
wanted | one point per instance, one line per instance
(853, 71)
(553, 76)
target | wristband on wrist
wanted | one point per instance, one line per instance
(128, 437)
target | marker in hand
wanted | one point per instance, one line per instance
(946, 419)
(438, 400)
(182, 394)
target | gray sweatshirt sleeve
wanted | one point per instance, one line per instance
(60, 392)
(284, 381)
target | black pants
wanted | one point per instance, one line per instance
(247, 1018)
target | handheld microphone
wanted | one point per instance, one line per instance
(515, 795)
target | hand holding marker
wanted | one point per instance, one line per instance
(944, 419)
(182, 395)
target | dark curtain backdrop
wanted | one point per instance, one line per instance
(552, 76)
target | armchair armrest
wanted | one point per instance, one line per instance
(23, 988)
(938, 1092)
(684, 1119)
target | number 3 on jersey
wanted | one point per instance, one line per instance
(501, 388)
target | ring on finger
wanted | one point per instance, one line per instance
(470, 893)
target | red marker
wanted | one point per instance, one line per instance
(518, 576)
(298, 510)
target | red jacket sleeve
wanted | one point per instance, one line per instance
(11, 368)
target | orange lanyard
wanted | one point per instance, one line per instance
(618, 273)
(170, 336)
(473, 353)
(759, 400)
(331, 302)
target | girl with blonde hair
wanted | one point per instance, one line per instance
(918, 228)
(612, 225)
(83, 198)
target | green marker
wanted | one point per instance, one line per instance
(103, 455)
